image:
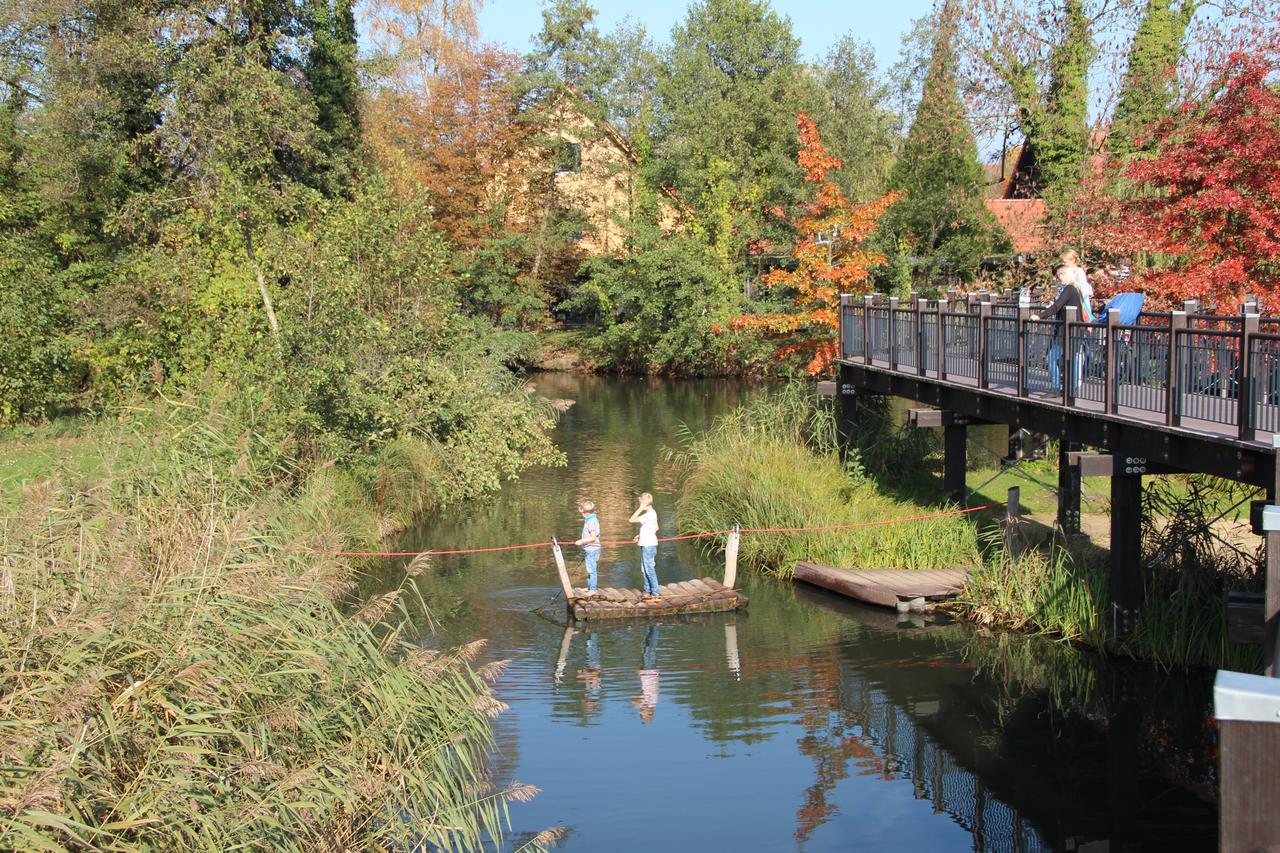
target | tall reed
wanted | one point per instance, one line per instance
(176, 672)
(774, 463)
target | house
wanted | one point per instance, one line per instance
(593, 174)
(1013, 200)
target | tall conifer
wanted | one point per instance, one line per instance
(941, 215)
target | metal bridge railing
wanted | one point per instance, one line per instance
(1203, 368)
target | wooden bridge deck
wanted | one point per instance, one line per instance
(886, 587)
(705, 595)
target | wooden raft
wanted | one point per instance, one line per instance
(706, 595)
(902, 589)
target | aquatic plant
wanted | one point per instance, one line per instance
(774, 464)
(178, 668)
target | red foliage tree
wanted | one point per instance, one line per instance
(1209, 201)
(825, 269)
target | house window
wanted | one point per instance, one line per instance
(568, 157)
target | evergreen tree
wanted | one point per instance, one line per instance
(335, 87)
(1062, 143)
(941, 215)
(1149, 84)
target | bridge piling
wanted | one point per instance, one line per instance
(1068, 488)
(954, 460)
(1127, 583)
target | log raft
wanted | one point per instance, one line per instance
(901, 589)
(704, 595)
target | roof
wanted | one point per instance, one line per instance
(1023, 219)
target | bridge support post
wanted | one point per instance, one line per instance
(846, 406)
(954, 461)
(1127, 586)
(1271, 600)
(1068, 488)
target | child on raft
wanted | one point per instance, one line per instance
(590, 541)
(647, 539)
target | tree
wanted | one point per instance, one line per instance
(1209, 197)
(852, 106)
(335, 86)
(732, 69)
(941, 216)
(1150, 83)
(830, 258)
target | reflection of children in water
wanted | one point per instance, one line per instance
(590, 676)
(647, 701)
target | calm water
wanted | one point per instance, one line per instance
(806, 722)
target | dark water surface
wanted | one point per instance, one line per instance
(806, 722)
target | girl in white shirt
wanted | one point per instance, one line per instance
(647, 539)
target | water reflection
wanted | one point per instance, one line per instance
(805, 721)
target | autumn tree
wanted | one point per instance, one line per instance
(1208, 200)
(830, 258)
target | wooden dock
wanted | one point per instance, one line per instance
(901, 589)
(706, 595)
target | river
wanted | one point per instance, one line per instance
(806, 722)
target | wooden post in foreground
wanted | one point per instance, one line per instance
(731, 559)
(1012, 518)
(1247, 708)
(564, 573)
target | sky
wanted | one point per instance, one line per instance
(817, 23)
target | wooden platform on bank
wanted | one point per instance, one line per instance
(914, 589)
(705, 595)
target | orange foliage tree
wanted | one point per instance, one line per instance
(453, 142)
(837, 263)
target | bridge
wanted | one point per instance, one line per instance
(1174, 392)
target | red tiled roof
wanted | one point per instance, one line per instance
(1023, 219)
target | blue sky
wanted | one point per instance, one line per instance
(817, 23)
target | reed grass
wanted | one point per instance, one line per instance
(774, 464)
(177, 671)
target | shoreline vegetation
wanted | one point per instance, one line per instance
(775, 463)
(183, 665)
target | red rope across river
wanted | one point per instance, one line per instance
(548, 544)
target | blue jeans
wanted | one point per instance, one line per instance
(648, 553)
(591, 556)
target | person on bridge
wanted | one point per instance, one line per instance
(647, 539)
(1069, 297)
(590, 542)
(1071, 261)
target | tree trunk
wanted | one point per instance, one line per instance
(262, 287)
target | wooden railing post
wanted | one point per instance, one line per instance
(1173, 392)
(1024, 314)
(1244, 378)
(922, 349)
(1068, 356)
(942, 342)
(868, 302)
(984, 314)
(846, 304)
(953, 297)
(1110, 391)
(893, 333)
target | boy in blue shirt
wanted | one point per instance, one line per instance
(590, 541)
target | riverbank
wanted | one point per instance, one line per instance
(184, 663)
(774, 464)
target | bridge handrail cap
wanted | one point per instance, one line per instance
(1245, 697)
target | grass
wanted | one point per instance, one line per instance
(773, 464)
(178, 669)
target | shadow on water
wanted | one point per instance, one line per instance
(806, 721)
